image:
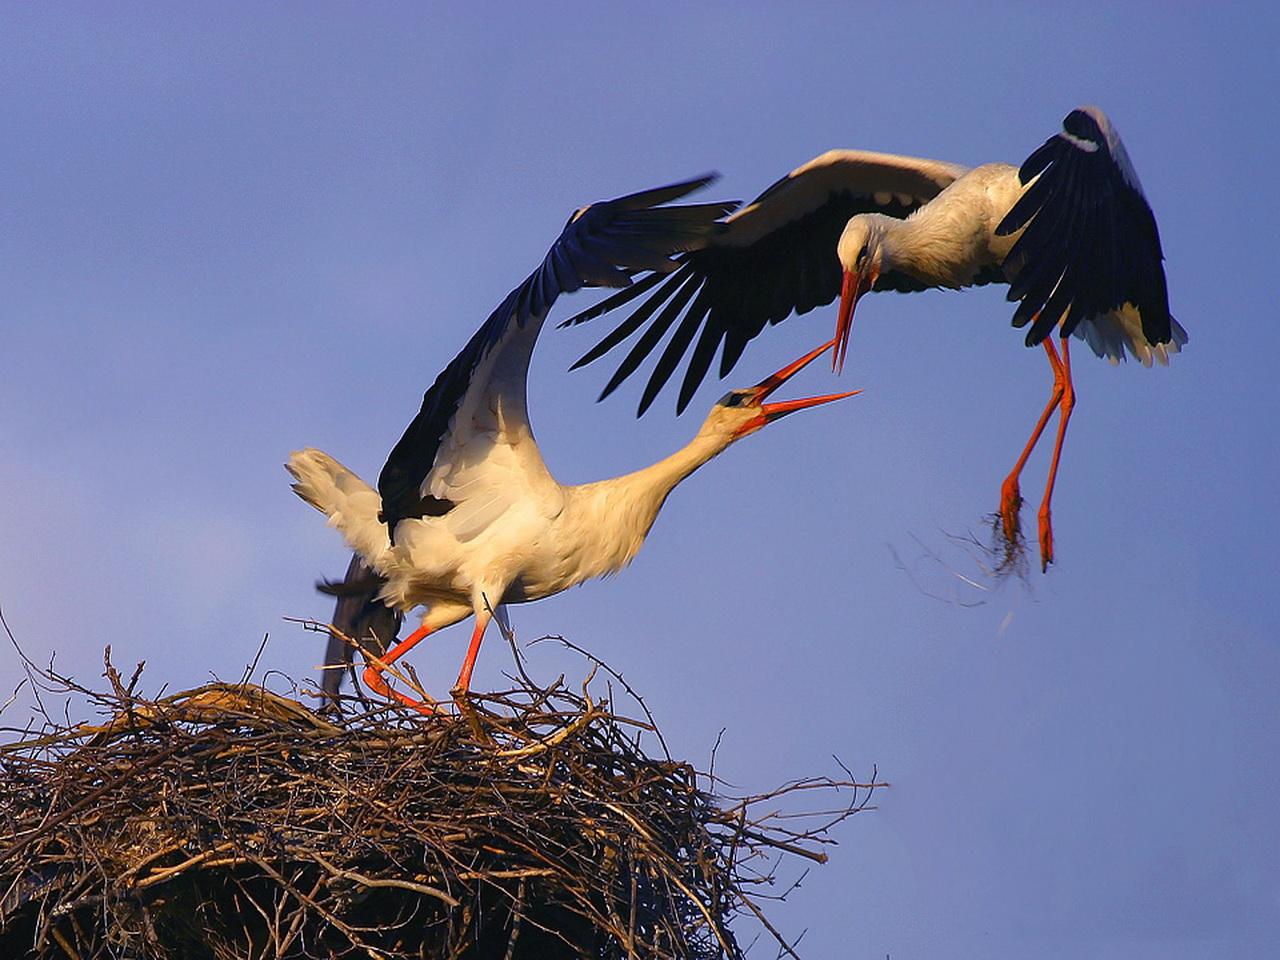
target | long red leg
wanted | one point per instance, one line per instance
(1010, 495)
(469, 664)
(1067, 405)
(373, 672)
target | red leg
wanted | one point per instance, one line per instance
(1068, 403)
(373, 672)
(1010, 495)
(469, 664)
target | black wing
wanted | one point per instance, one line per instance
(359, 615)
(1090, 244)
(776, 257)
(602, 245)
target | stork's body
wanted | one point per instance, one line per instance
(950, 241)
(466, 515)
(1069, 231)
(543, 539)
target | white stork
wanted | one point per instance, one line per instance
(466, 515)
(1070, 232)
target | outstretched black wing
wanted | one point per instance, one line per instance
(776, 256)
(1090, 243)
(602, 245)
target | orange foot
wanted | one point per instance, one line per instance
(373, 678)
(1046, 539)
(1010, 505)
(428, 707)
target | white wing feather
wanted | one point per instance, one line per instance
(884, 177)
(488, 460)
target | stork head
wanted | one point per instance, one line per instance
(740, 413)
(861, 251)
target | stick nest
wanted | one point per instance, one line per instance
(232, 821)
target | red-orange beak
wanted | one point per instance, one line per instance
(774, 411)
(853, 287)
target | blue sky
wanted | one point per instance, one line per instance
(228, 232)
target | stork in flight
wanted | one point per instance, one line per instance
(466, 515)
(1069, 231)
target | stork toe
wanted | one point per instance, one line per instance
(1046, 539)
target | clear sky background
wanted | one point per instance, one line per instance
(228, 231)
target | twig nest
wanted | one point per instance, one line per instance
(230, 821)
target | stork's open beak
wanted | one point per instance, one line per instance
(853, 287)
(773, 411)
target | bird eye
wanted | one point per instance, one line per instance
(732, 399)
(862, 258)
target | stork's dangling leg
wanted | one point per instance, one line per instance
(1010, 495)
(373, 672)
(1068, 402)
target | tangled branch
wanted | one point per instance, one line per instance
(233, 821)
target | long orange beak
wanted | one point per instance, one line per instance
(774, 411)
(853, 287)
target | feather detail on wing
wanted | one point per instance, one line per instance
(776, 256)
(1089, 243)
(471, 440)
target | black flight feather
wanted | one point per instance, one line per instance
(1089, 242)
(601, 245)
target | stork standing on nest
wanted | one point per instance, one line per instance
(1070, 232)
(466, 515)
